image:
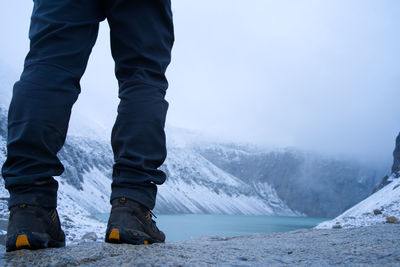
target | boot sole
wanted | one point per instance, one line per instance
(31, 240)
(120, 236)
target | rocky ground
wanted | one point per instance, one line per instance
(375, 245)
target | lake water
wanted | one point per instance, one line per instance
(185, 226)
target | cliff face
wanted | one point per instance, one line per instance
(312, 184)
(396, 156)
(395, 167)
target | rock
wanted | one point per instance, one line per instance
(3, 240)
(364, 246)
(396, 156)
(395, 167)
(377, 211)
(337, 226)
(385, 181)
(89, 236)
(392, 219)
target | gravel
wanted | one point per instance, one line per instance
(375, 245)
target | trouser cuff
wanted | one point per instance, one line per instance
(45, 200)
(146, 197)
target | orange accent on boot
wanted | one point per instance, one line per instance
(114, 234)
(22, 241)
(148, 216)
(146, 242)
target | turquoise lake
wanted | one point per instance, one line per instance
(185, 226)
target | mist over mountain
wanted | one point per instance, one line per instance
(387, 179)
(267, 74)
(194, 184)
(382, 207)
(209, 175)
(313, 184)
(223, 178)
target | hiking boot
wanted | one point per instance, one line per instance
(33, 227)
(132, 223)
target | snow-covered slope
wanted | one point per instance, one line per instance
(317, 185)
(79, 196)
(195, 185)
(386, 200)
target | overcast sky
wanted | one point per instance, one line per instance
(319, 75)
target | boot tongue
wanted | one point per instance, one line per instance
(145, 212)
(131, 204)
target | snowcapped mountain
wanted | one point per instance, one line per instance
(376, 209)
(194, 185)
(205, 175)
(316, 185)
(383, 206)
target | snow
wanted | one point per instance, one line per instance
(387, 200)
(195, 162)
(76, 221)
(200, 199)
(75, 208)
(195, 185)
(95, 194)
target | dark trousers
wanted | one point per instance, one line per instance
(62, 35)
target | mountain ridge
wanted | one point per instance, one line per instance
(197, 182)
(316, 186)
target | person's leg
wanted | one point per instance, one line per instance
(62, 34)
(141, 42)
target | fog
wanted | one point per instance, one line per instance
(317, 75)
